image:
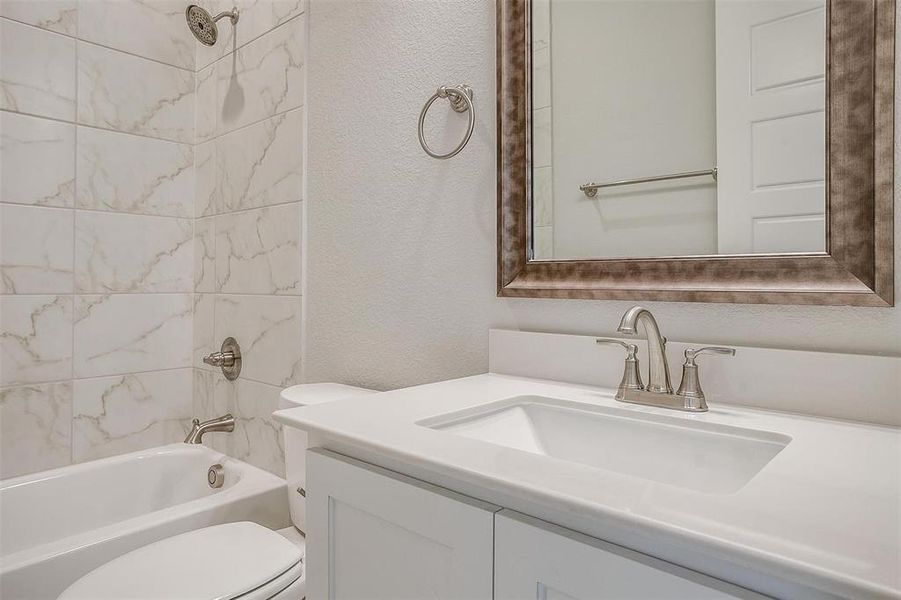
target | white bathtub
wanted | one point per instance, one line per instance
(57, 525)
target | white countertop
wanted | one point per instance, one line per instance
(824, 516)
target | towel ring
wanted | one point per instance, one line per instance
(460, 98)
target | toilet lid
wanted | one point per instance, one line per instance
(214, 563)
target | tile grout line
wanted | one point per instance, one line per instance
(76, 123)
(73, 379)
(78, 40)
(239, 211)
(194, 143)
(140, 293)
(245, 44)
(248, 125)
(74, 249)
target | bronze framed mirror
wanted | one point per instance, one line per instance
(696, 150)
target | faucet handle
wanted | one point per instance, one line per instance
(632, 349)
(691, 353)
(631, 375)
(690, 388)
(220, 359)
(228, 358)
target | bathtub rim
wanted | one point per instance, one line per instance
(253, 481)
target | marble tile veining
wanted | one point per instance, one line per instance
(261, 79)
(127, 333)
(36, 71)
(162, 35)
(35, 250)
(127, 173)
(186, 226)
(37, 161)
(204, 330)
(132, 253)
(204, 406)
(114, 415)
(35, 428)
(262, 164)
(268, 329)
(257, 18)
(127, 93)
(35, 339)
(206, 187)
(257, 438)
(205, 255)
(206, 104)
(258, 251)
(208, 406)
(54, 15)
(261, 16)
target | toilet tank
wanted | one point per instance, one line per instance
(296, 440)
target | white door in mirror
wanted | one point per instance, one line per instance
(770, 126)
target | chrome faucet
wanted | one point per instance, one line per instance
(658, 367)
(223, 423)
(659, 391)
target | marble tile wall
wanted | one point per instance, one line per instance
(150, 205)
(542, 179)
(96, 229)
(249, 220)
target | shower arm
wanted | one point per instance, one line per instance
(231, 14)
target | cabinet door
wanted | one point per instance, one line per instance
(375, 534)
(534, 559)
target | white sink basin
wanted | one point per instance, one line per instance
(701, 456)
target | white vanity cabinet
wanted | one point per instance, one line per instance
(375, 534)
(537, 560)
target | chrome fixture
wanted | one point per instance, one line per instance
(690, 388)
(658, 368)
(659, 391)
(631, 374)
(591, 189)
(460, 98)
(228, 359)
(203, 26)
(223, 423)
(215, 476)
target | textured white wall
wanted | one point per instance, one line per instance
(401, 247)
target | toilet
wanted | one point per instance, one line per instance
(241, 560)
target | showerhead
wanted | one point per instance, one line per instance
(203, 26)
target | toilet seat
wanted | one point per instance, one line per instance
(243, 561)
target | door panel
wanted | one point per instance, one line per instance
(375, 534)
(771, 126)
(534, 559)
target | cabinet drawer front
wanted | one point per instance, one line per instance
(373, 533)
(535, 559)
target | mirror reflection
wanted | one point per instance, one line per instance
(677, 127)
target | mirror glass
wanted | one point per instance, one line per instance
(701, 121)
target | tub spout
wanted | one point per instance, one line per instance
(223, 423)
